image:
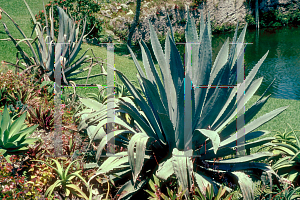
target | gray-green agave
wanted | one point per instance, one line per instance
(50, 53)
(158, 145)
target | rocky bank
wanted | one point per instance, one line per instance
(222, 12)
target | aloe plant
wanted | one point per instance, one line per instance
(52, 53)
(286, 154)
(64, 180)
(159, 144)
(14, 135)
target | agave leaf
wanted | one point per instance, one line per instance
(168, 82)
(203, 182)
(28, 141)
(138, 140)
(201, 74)
(137, 117)
(142, 103)
(141, 72)
(17, 124)
(129, 188)
(91, 104)
(29, 130)
(153, 74)
(212, 135)
(263, 119)
(244, 159)
(168, 129)
(175, 64)
(78, 45)
(254, 70)
(108, 138)
(93, 135)
(192, 43)
(179, 126)
(190, 29)
(183, 168)
(249, 114)
(112, 163)
(215, 99)
(202, 27)
(208, 25)
(246, 184)
(220, 61)
(147, 61)
(165, 170)
(237, 48)
(159, 55)
(154, 96)
(5, 120)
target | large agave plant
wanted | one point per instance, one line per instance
(159, 144)
(52, 53)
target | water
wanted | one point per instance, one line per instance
(282, 62)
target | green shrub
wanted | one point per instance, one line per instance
(250, 20)
(78, 10)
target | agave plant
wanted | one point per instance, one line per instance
(159, 144)
(14, 135)
(51, 52)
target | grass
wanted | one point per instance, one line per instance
(126, 65)
(19, 13)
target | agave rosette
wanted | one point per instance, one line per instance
(14, 135)
(159, 144)
(52, 53)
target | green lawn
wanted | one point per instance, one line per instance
(125, 64)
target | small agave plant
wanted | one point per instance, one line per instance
(52, 53)
(159, 144)
(14, 135)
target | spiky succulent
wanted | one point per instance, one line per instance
(14, 135)
(52, 53)
(160, 143)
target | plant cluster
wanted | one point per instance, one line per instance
(12, 183)
(78, 10)
(158, 144)
(154, 156)
(274, 18)
(17, 90)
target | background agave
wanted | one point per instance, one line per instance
(14, 135)
(51, 51)
(160, 144)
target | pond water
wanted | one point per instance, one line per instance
(282, 62)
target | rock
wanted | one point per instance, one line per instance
(130, 12)
(222, 12)
(113, 9)
(124, 6)
(146, 5)
(130, 2)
